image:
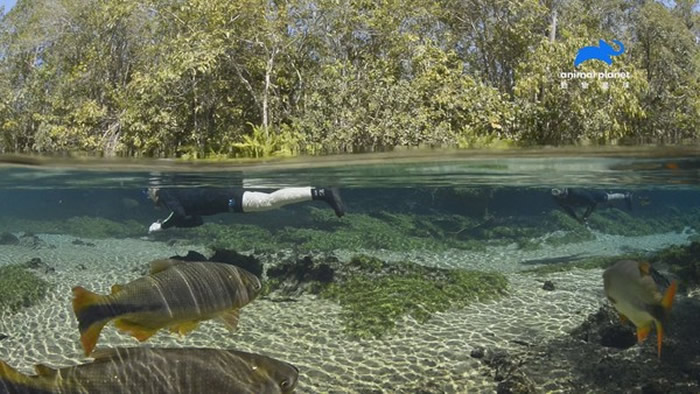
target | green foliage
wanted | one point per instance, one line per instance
(668, 51)
(19, 288)
(552, 114)
(265, 143)
(372, 302)
(188, 79)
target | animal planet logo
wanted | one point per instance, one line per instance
(604, 52)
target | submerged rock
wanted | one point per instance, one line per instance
(305, 275)
(548, 285)
(191, 256)
(82, 243)
(604, 328)
(8, 239)
(29, 240)
(508, 372)
(248, 263)
(477, 352)
(39, 265)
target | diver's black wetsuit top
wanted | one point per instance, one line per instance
(188, 205)
(581, 198)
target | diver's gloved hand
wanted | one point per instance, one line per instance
(156, 226)
(585, 223)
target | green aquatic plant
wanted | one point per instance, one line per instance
(228, 236)
(617, 221)
(558, 220)
(683, 262)
(97, 227)
(570, 237)
(79, 226)
(19, 288)
(363, 231)
(528, 244)
(377, 294)
(366, 264)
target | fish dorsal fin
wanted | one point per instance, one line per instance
(230, 318)
(645, 268)
(43, 370)
(162, 265)
(117, 288)
(603, 44)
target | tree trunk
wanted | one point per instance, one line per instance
(553, 27)
(266, 93)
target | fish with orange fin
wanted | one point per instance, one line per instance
(634, 292)
(146, 370)
(175, 295)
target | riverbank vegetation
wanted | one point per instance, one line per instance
(215, 79)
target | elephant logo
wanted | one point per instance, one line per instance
(602, 53)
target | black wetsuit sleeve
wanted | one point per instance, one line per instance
(169, 201)
(178, 216)
(181, 221)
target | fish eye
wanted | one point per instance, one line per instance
(284, 384)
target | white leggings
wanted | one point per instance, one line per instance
(616, 196)
(259, 201)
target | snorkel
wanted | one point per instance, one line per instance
(559, 193)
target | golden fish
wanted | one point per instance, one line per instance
(634, 293)
(175, 294)
(158, 371)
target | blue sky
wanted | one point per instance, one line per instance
(7, 4)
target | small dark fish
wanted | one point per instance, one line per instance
(158, 371)
(176, 295)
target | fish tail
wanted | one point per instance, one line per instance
(659, 337)
(666, 304)
(92, 314)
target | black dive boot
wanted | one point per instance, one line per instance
(331, 196)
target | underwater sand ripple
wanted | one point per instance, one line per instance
(309, 333)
